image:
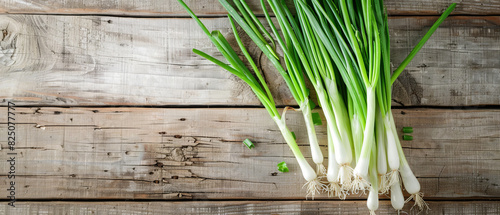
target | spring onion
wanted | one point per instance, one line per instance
(293, 76)
(343, 48)
(318, 67)
(396, 158)
(294, 81)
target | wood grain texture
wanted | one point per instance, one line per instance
(243, 207)
(93, 60)
(453, 67)
(213, 8)
(190, 153)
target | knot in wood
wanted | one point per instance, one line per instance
(8, 41)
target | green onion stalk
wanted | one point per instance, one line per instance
(394, 157)
(335, 31)
(294, 80)
(295, 75)
(309, 54)
(354, 36)
(343, 48)
(367, 54)
(292, 75)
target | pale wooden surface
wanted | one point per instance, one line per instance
(95, 60)
(138, 53)
(153, 153)
(242, 207)
(213, 8)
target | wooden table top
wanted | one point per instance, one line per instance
(116, 115)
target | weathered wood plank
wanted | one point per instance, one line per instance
(68, 60)
(242, 207)
(212, 7)
(151, 153)
(454, 68)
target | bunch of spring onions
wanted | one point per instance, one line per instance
(342, 47)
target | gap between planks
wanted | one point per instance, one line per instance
(245, 207)
(213, 7)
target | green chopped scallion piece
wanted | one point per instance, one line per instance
(407, 130)
(282, 167)
(316, 119)
(407, 137)
(248, 143)
(293, 134)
